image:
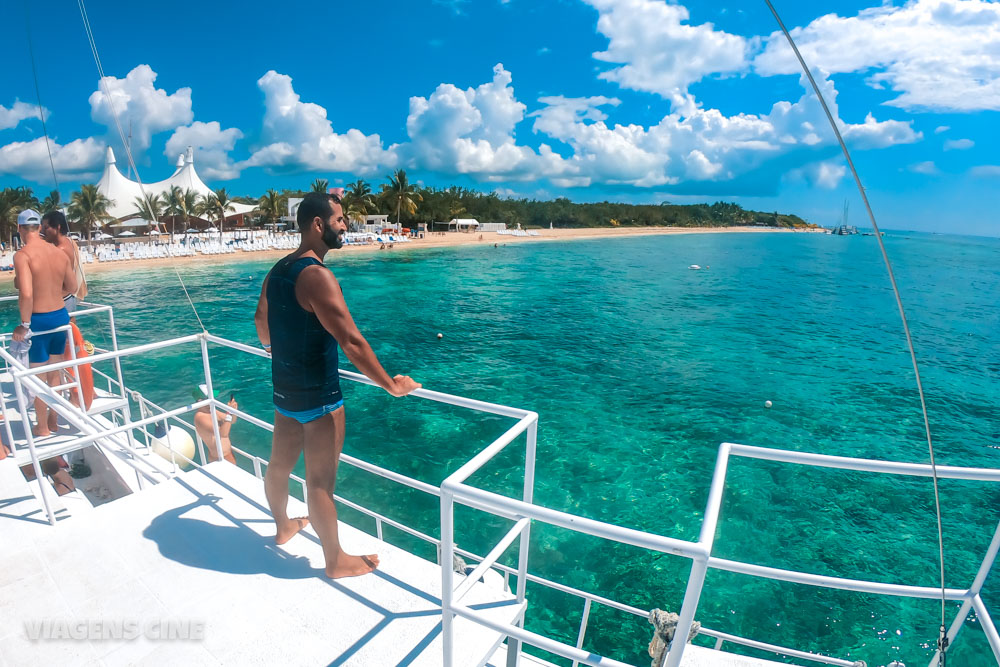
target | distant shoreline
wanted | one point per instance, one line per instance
(436, 240)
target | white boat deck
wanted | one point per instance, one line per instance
(200, 548)
(60, 442)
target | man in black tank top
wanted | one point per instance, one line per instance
(301, 317)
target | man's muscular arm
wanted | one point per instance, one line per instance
(25, 294)
(260, 317)
(318, 289)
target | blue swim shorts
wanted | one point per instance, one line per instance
(306, 416)
(45, 345)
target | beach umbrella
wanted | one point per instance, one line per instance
(154, 232)
(190, 230)
(212, 229)
(127, 234)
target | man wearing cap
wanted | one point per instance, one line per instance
(206, 429)
(301, 317)
(42, 275)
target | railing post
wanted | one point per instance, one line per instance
(583, 627)
(114, 346)
(77, 374)
(201, 447)
(31, 448)
(974, 590)
(3, 407)
(447, 575)
(672, 657)
(211, 396)
(514, 645)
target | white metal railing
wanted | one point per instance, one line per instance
(454, 489)
(521, 511)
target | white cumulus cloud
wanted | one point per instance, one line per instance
(934, 54)
(30, 159)
(138, 101)
(471, 131)
(705, 144)
(927, 167)
(298, 136)
(16, 113)
(212, 146)
(959, 144)
(986, 170)
(657, 51)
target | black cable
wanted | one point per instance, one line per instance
(38, 94)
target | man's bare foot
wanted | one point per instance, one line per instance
(352, 566)
(40, 431)
(289, 530)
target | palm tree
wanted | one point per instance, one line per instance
(8, 209)
(320, 185)
(272, 204)
(150, 207)
(89, 208)
(355, 210)
(52, 202)
(214, 206)
(363, 193)
(189, 205)
(398, 191)
(172, 207)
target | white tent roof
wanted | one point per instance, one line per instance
(123, 192)
(465, 222)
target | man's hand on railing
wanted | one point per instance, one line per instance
(403, 385)
(21, 333)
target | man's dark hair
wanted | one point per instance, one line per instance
(315, 204)
(56, 219)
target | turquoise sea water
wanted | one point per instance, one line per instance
(639, 369)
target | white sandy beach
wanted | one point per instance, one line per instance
(436, 240)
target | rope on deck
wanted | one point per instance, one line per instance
(665, 624)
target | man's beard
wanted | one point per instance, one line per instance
(333, 239)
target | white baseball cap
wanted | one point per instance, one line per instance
(28, 217)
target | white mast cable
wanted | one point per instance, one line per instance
(121, 134)
(943, 636)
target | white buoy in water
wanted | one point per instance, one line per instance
(440, 335)
(767, 404)
(177, 439)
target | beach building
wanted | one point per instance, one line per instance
(123, 191)
(463, 225)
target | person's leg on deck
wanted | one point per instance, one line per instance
(324, 440)
(286, 446)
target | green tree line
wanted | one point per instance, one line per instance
(397, 198)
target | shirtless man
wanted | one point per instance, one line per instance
(302, 313)
(203, 424)
(55, 230)
(42, 275)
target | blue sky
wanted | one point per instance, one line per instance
(630, 100)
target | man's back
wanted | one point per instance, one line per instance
(67, 245)
(48, 266)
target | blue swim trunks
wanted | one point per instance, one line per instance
(306, 416)
(45, 345)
